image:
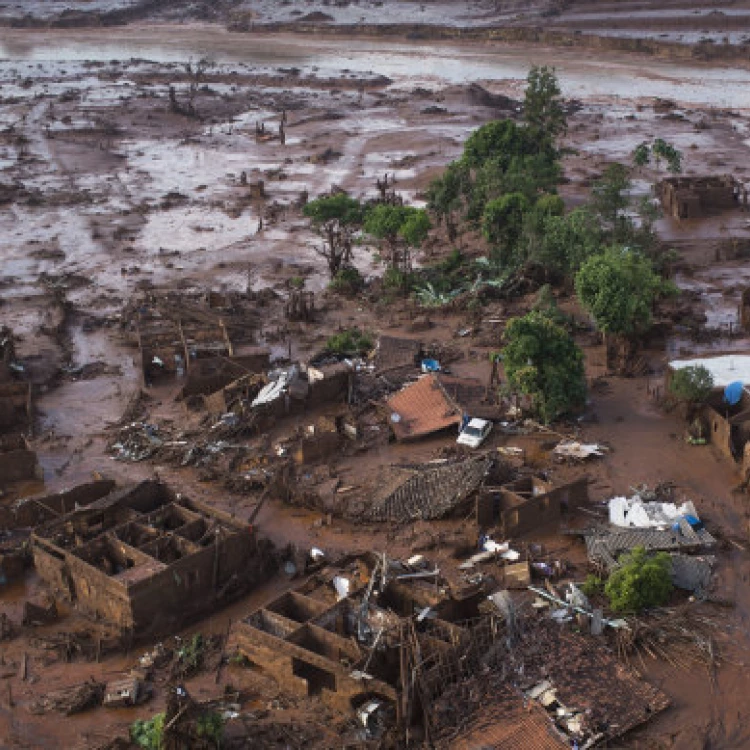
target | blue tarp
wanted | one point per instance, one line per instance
(733, 393)
(430, 365)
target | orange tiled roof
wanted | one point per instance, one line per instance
(510, 724)
(423, 408)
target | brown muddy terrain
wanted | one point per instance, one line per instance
(128, 182)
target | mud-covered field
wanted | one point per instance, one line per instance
(122, 174)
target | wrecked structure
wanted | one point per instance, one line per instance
(421, 409)
(528, 504)
(17, 461)
(695, 197)
(376, 636)
(141, 556)
(727, 426)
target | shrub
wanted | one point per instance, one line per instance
(640, 582)
(593, 585)
(147, 733)
(692, 384)
(347, 281)
(351, 342)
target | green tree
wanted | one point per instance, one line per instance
(641, 581)
(610, 197)
(663, 150)
(642, 154)
(542, 106)
(618, 288)
(692, 384)
(542, 361)
(447, 193)
(502, 223)
(501, 140)
(335, 217)
(560, 244)
(395, 224)
(659, 149)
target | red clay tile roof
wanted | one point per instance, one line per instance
(423, 408)
(509, 723)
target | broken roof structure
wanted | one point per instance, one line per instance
(393, 353)
(425, 492)
(506, 720)
(141, 556)
(605, 546)
(421, 409)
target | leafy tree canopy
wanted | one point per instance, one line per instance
(659, 149)
(640, 582)
(339, 207)
(561, 243)
(502, 223)
(542, 361)
(692, 384)
(391, 222)
(500, 140)
(446, 193)
(618, 288)
(542, 107)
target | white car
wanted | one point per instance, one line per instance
(475, 433)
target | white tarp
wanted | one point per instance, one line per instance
(634, 512)
(575, 450)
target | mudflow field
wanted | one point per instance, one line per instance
(128, 184)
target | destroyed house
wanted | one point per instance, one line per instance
(143, 557)
(17, 461)
(604, 546)
(171, 346)
(422, 408)
(472, 395)
(348, 650)
(211, 374)
(695, 197)
(425, 492)
(351, 636)
(28, 512)
(393, 353)
(527, 505)
(727, 426)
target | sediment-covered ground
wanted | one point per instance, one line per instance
(108, 192)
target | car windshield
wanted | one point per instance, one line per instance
(473, 432)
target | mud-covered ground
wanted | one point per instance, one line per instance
(107, 193)
(681, 22)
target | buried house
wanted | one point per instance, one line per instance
(373, 637)
(143, 557)
(695, 197)
(727, 426)
(528, 504)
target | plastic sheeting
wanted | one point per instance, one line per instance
(635, 513)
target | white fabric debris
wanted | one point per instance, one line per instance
(492, 546)
(342, 586)
(634, 512)
(580, 451)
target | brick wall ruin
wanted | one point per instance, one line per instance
(528, 504)
(696, 197)
(142, 557)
